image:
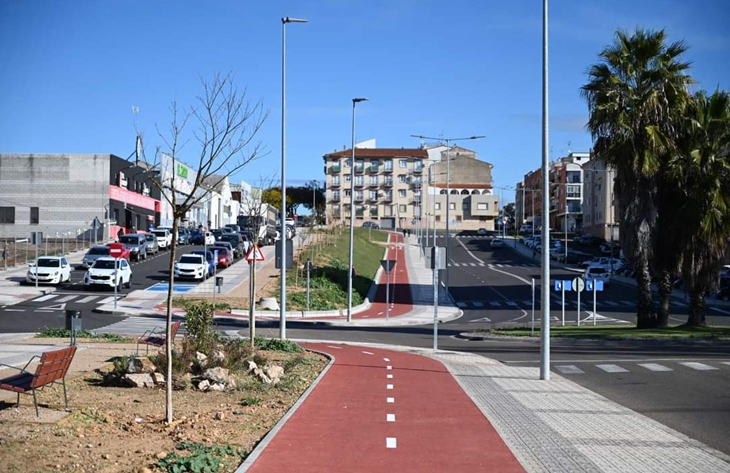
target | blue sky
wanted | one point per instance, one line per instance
(72, 71)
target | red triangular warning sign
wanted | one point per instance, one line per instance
(255, 254)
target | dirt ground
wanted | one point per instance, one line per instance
(111, 429)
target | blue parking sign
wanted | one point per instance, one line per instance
(589, 285)
(564, 284)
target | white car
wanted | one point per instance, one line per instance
(109, 272)
(191, 266)
(209, 239)
(597, 273)
(49, 270)
(164, 238)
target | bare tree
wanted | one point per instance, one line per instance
(255, 210)
(219, 131)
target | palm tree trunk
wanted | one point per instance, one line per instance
(696, 309)
(645, 317)
(665, 293)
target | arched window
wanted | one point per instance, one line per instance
(475, 192)
(443, 191)
(464, 192)
(454, 192)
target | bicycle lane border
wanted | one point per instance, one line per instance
(343, 424)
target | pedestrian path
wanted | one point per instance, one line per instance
(136, 326)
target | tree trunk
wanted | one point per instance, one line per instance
(665, 294)
(645, 317)
(170, 342)
(696, 309)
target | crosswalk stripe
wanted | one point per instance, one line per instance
(479, 304)
(611, 303)
(481, 265)
(461, 304)
(107, 300)
(86, 299)
(569, 369)
(495, 304)
(511, 303)
(655, 367)
(612, 368)
(725, 363)
(697, 366)
(65, 299)
(628, 303)
(473, 264)
(45, 298)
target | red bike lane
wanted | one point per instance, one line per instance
(376, 410)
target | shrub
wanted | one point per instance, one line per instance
(277, 344)
(199, 326)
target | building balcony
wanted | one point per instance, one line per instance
(373, 169)
(335, 183)
(335, 198)
(359, 183)
(359, 169)
(418, 169)
(335, 169)
(374, 214)
(388, 169)
(388, 183)
(359, 198)
(374, 184)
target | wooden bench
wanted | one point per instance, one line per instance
(52, 368)
(157, 337)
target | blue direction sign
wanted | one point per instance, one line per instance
(564, 284)
(589, 285)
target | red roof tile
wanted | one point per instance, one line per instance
(379, 153)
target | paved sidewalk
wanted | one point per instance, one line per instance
(357, 418)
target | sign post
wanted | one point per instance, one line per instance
(308, 266)
(438, 261)
(388, 265)
(578, 285)
(532, 323)
(115, 251)
(254, 254)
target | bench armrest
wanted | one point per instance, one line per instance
(23, 369)
(154, 331)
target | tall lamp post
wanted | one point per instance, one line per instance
(448, 188)
(282, 239)
(545, 273)
(351, 252)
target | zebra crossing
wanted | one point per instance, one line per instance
(57, 299)
(494, 265)
(571, 302)
(135, 326)
(636, 367)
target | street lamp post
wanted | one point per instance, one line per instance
(448, 188)
(351, 252)
(282, 239)
(545, 273)
(314, 203)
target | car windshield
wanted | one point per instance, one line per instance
(49, 263)
(190, 260)
(221, 249)
(99, 250)
(149, 236)
(597, 271)
(129, 240)
(208, 255)
(159, 233)
(103, 264)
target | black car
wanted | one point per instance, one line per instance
(236, 241)
(183, 236)
(197, 238)
(370, 225)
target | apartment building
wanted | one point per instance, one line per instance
(599, 206)
(387, 185)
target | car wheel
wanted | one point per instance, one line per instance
(119, 284)
(129, 283)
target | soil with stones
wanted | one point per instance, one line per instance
(111, 429)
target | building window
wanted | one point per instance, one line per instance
(402, 193)
(348, 177)
(359, 180)
(484, 206)
(403, 163)
(402, 208)
(34, 216)
(465, 206)
(452, 206)
(347, 192)
(7, 214)
(336, 195)
(373, 195)
(437, 206)
(389, 165)
(402, 177)
(373, 180)
(336, 181)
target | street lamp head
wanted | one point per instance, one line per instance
(359, 99)
(293, 20)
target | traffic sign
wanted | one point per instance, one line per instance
(116, 250)
(255, 254)
(590, 288)
(563, 285)
(579, 284)
(388, 265)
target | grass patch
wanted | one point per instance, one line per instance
(619, 332)
(55, 332)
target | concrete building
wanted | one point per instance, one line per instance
(599, 207)
(221, 208)
(387, 184)
(88, 196)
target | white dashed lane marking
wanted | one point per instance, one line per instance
(698, 366)
(569, 369)
(655, 367)
(612, 368)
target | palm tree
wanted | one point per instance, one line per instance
(634, 95)
(701, 170)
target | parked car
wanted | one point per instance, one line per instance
(610, 248)
(496, 243)
(227, 242)
(589, 240)
(192, 266)
(482, 232)
(183, 236)
(723, 294)
(370, 224)
(152, 246)
(217, 232)
(526, 229)
(164, 238)
(597, 273)
(136, 243)
(603, 261)
(234, 228)
(109, 272)
(574, 257)
(49, 270)
(209, 258)
(225, 256)
(94, 253)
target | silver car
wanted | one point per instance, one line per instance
(152, 246)
(94, 253)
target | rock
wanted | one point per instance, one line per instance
(259, 373)
(268, 303)
(158, 378)
(275, 372)
(138, 380)
(217, 356)
(138, 420)
(217, 375)
(204, 385)
(252, 366)
(144, 469)
(105, 456)
(219, 415)
(160, 455)
(217, 387)
(88, 445)
(201, 358)
(141, 365)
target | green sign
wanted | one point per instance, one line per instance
(182, 171)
